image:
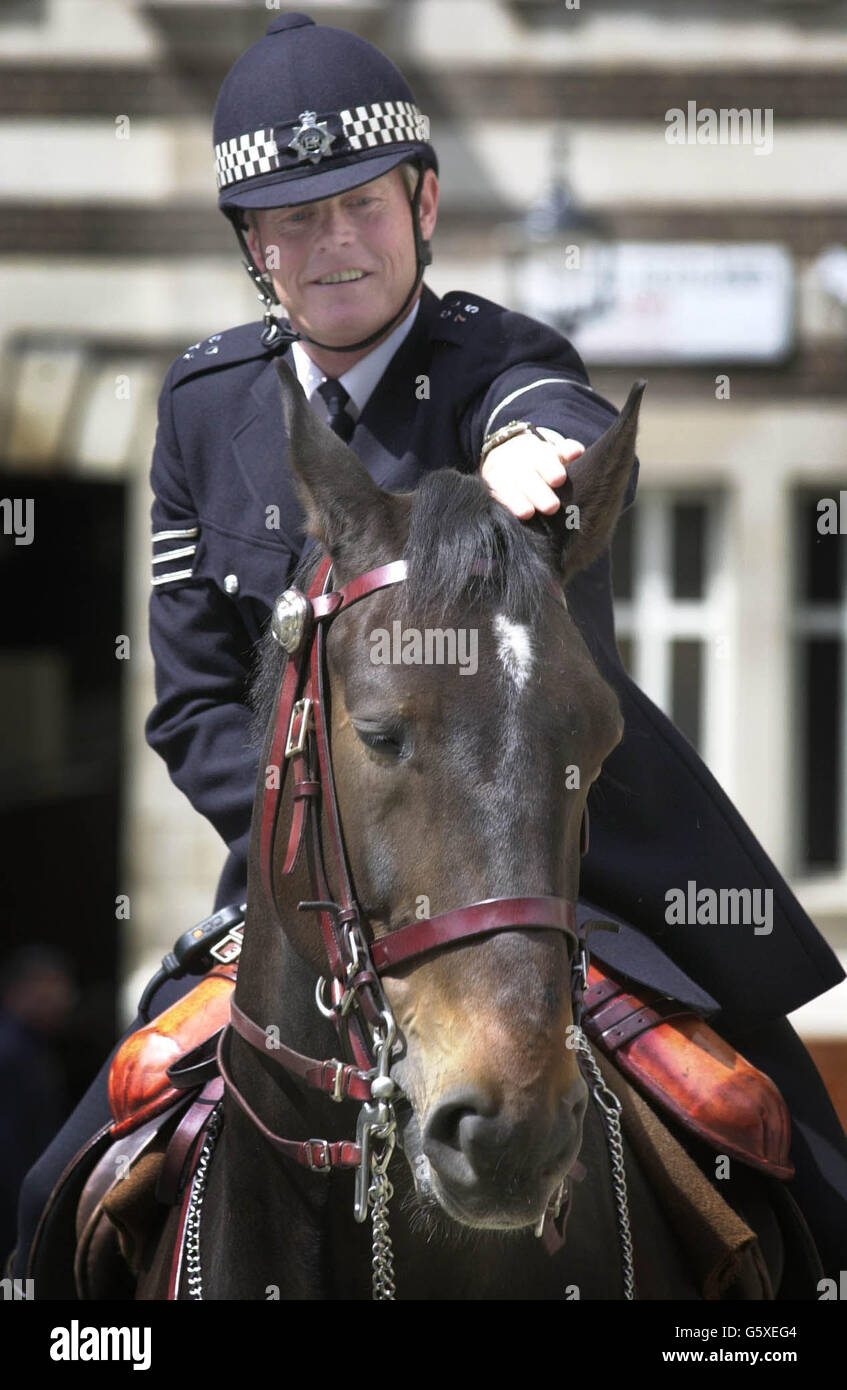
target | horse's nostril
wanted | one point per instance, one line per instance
(475, 1146)
(454, 1135)
(456, 1116)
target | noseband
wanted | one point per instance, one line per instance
(357, 1003)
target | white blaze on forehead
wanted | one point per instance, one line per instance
(514, 647)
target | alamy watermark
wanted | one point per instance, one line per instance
(721, 907)
(832, 515)
(17, 518)
(430, 646)
(82, 1343)
(731, 125)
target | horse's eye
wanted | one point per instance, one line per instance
(391, 741)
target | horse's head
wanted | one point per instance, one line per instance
(468, 722)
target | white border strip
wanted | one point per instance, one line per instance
(542, 381)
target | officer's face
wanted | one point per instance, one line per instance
(367, 230)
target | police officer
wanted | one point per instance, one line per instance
(327, 175)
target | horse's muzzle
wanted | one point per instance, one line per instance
(493, 1170)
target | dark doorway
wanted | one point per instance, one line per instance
(62, 584)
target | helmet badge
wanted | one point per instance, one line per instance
(311, 139)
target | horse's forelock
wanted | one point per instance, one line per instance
(455, 522)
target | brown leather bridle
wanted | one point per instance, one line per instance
(358, 1007)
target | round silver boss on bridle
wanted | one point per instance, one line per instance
(291, 612)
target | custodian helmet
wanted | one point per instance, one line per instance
(307, 112)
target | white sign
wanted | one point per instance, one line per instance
(665, 301)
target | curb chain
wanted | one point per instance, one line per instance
(382, 1262)
(611, 1108)
(194, 1276)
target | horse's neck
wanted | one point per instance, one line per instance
(276, 987)
(265, 1214)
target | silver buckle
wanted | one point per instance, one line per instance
(352, 937)
(335, 1093)
(229, 946)
(579, 967)
(324, 1164)
(303, 707)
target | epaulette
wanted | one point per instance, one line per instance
(241, 344)
(461, 315)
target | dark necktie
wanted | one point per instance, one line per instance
(336, 399)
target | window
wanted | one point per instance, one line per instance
(673, 613)
(819, 707)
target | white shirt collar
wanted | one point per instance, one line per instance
(361, 380)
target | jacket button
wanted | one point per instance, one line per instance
(231, 584)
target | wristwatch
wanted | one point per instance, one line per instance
(509, 431)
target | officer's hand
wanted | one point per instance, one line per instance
(522, 472)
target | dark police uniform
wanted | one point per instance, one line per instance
(227, 534)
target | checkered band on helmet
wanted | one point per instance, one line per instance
(383, 123)
(377, 124)
(245, 156)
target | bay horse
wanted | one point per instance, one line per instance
(431, 822)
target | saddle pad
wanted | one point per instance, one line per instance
(721, 1250)
(101, 1260)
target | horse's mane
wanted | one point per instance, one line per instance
(454, 523)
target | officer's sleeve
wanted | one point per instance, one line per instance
(202, 655)
(542, 380)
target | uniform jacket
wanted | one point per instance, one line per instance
(658, 817)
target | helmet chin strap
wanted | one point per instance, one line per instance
(276, 336)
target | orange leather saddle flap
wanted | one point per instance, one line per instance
(683, 1065)
(139, 1085)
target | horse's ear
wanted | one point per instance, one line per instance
(345, 509)
(593, 492)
